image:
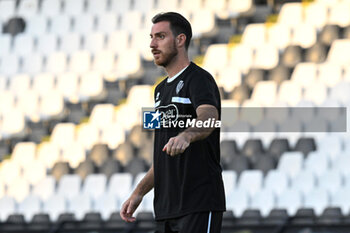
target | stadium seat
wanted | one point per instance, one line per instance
(265, 92)
(45, 188)
(33, 64)
(241, 56)
(60, 169)
(34, 171)
(97, 7)
(211, 63)
(7, 9)
(85, 168)
(250, 217)
(279, 35)
(317, 162)
(330, 74)
(60, 25)
(52, 106)
(338, 14)
(70, 43)
(291, 163)
(329, 33)
(48, 153)
(43, 83)
(73, 8)
(250, 181)
(128, 65)
(121, 6)
(305, 145)
(291, 200)
(316, 53)
(317, 93)
(106, 204)
(7, 207)
(29, 206)
(92, 87)
(20, 83)
(304, 74)
(318, 199)
(99, 154)
(229, 78)
(13, 124)
(276, 216)
(10, 65)
(292, 55)
(112, 135)
(331, 215)
(79, 205)
(63, 134)
(266, 57)
(84, 24)
(276, 181)
(94, 186)
(47, 44)
(23, 45)
(340, 199)
(5, 41)
(107, 23)
(69, 186)
(264, 163)
(55, 206)
(131, 16)
(23, 153)
(238, 163)
(18, 189)
(237, 201)
(40, 221)
(164, 6)
(304, 216)
(254, 35)
(338, 51)
(74, 153)
(291, 14)
(290, 93)
(340, 164)
(304, 182)
(238, 8)
(94, 42)
(263, 201)
(316, 14)
(37, 26)
(229, 178)
(51, 8)
(304, 35)
(56, 63)
(120, 185)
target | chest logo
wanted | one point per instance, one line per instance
(179, 86)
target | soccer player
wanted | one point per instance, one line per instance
(186, 173)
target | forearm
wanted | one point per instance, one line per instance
(146, 184)
(193, 134)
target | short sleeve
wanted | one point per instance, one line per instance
(203, 90)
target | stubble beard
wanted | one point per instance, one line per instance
(168, 57)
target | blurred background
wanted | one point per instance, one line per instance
(74, 75)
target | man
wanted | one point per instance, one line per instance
(186, 172)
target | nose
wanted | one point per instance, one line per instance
(153, 43)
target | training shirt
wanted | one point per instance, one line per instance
(189, 182)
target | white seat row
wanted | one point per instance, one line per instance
(72, 194)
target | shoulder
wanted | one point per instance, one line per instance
(200, 75)
(161, 84)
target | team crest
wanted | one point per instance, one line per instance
(179, 86)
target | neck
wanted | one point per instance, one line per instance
(178, 64)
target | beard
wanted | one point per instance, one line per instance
(165, 58)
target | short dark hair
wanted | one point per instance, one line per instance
(178, 24)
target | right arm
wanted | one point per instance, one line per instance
(131, 204)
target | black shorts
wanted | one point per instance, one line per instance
(202, 222)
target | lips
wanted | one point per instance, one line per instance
(155, 52)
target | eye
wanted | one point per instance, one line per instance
(162, 36)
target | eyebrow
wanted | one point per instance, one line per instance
(158, 33)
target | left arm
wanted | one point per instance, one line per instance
(177, 145)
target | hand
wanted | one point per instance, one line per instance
(129, 208)
(177, 145)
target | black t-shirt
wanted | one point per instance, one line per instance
(190, 182)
